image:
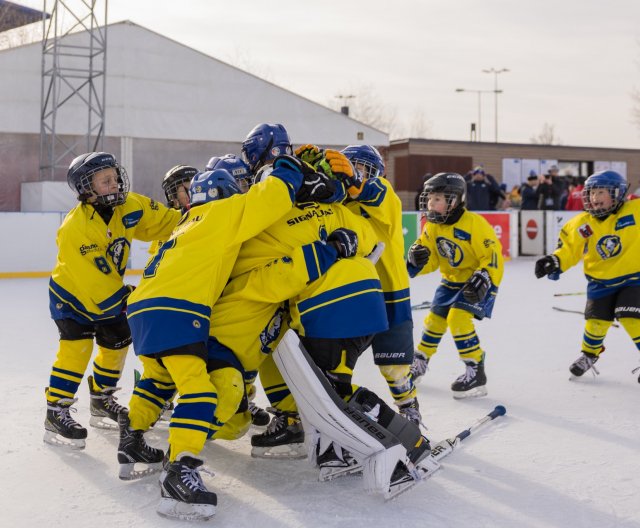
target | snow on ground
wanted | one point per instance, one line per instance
(566, 454)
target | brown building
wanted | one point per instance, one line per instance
(408, 160)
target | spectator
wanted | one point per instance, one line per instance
(529, 192)
(574, 200)
(514, 197)
(479, 191)
(548, 193)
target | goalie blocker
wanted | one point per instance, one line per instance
(389, 447)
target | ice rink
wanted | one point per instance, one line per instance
(566, 454)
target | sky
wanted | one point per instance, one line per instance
(565, 454)
(573, 65)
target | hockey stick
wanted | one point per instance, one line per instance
(376, 253)
(558, 309)
(421, 306)
(567, 294)
(447, 446)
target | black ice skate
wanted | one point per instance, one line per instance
(104, 407)
(184, 495)
(419, 366)
(584, 363)
(336, 462)
(60, 428)
(284, 437)
(472, 383)
(133, 449)
(410, 409)
(259, 417)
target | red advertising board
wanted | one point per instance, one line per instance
(501, 223)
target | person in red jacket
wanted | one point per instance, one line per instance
(574, 200)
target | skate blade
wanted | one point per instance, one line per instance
(328, 473)
(55, 439)
(476, 392)
(185, 511)
(129, 471)
(102, 422)
(423, 471)
(288, 451)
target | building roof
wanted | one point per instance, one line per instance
(14, 15)
(159, 88)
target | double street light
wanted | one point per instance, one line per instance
(495, 92)
(479, 92)
(495, 73)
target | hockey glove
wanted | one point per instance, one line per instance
(547, 265)
(418, 255)
(316, 187)
(476, 288)
(309, 154)
(344, 241)
(343, 170)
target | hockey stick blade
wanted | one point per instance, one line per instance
(565, 310)
(421, 306)
(568, 294)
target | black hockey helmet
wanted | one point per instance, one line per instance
(80, 177)
(454, 188)
(173, 179)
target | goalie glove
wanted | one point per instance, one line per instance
(547, 265)
(476, 288)
(418, 255)
(343, 170)
(344, 241)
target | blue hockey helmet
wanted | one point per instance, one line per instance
(366, 159)
(84, 167)
(238, 169)
(614, 183)
(174, 179)
(212, 185)
(264, 143)
(454, 188)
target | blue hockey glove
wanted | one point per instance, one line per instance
(344, 241)
(547, 265)
(418, 255)
(476, 288)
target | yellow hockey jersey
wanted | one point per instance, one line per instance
(333, 305)
(172, 305)
(609, 248)
(379, 203)
(462, 248)
(86, 283)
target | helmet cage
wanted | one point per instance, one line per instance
(84, 186)
(174, 180)
(617, 198)
(452, 198)
(366, 159)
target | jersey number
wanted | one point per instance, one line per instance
(152, 267)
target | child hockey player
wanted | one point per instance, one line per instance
(605, 236)
(465, 248)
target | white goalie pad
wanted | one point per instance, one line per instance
(328, 418)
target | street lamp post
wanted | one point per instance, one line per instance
(479, 92)
(496, 92)
(344, 101)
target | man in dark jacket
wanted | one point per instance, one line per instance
(529, 193)
(479, 191)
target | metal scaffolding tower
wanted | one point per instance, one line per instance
(74, 61)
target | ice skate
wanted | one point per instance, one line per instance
(584, 363)
(472, 384)
(284, 438)
(336, 462)
(259, 417)
(184, 495)
(410, 410)
(60, 428)
(104, 407)
(133, 449)
(419, 366)
(418, 466)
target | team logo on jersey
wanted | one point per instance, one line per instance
(461, 235)
(585, 231)
(132, 219)
(272, 331)
(625, 221)
(450, 250)
(608, 247)
(118, 250)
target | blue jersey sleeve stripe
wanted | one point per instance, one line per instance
(347, 290)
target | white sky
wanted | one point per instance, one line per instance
(573, 63)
